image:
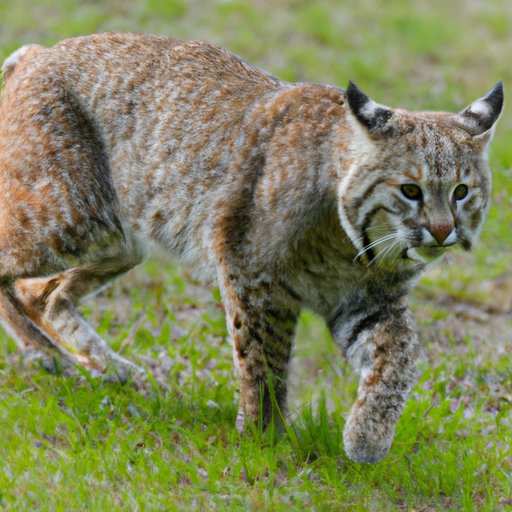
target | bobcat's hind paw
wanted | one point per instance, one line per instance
(112, 367)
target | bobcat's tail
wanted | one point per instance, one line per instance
(12, 61)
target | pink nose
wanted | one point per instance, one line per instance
(440, 232)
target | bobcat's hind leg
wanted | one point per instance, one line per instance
(261, 319)
(50, 303)
(24, 331)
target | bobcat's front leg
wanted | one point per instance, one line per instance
(261, 322)
(383, 348)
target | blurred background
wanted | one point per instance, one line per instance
(414, 54)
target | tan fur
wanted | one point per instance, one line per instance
(287, 195)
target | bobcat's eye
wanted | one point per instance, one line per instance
(460, 192)
(411, 191)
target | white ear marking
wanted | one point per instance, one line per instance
(480, 108)
(369, 113)
(482, 114)
(369, 109)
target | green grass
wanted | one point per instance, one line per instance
(75, 443)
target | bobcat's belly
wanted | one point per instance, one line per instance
(165, 223)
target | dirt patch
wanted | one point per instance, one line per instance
(466, 324)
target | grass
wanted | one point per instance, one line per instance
(75, 443)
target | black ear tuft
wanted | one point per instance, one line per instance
(483, 113)
(357, 99)
(369, 113)
(495, 98)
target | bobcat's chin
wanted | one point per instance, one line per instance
(426, 253)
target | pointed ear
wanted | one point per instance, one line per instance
(481, 115)
(370, 114)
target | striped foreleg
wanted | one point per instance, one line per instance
(383, 348)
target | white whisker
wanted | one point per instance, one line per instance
(379, 241)
(397, 244)
(381, 255)
(373, 230)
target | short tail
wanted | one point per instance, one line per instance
(12, 61)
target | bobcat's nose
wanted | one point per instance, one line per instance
(442, 232)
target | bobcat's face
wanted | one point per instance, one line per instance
(418, 183)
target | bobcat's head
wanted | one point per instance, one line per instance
(415, 183)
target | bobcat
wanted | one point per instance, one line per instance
(287, 195)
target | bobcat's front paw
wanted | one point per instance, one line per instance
(366, 440)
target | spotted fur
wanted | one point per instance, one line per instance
(286, 195)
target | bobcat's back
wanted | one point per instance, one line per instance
(183, 129)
